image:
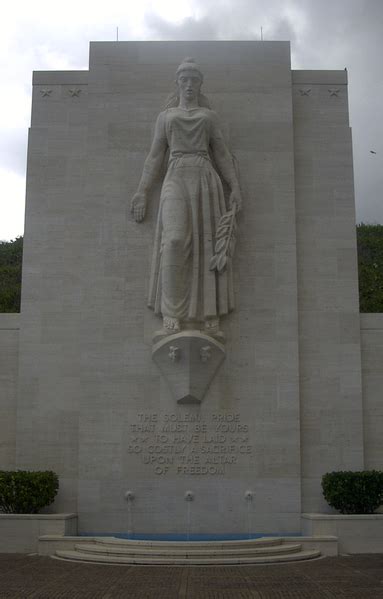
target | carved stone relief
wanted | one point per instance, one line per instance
(190, 366)
(191, 283)
(46, 93)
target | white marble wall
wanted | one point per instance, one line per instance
(329, 327)
(52, 286)
(9, 353)
(86, 369)
(91, 401)
(372, 378)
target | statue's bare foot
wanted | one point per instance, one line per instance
(171, 325)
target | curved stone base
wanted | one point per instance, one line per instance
(188, 361)
(258, 551)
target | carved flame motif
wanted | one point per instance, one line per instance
(205, 353)
(188, 361)
(174, 353)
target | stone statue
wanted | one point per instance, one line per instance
(191, 278)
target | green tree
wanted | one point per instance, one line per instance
(370, 264)
(11, 253)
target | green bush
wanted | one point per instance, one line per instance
(23, 492)
(353, 492)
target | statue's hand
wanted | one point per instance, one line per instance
(138, 207)
(236, 199)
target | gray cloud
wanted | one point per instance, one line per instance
(241, 20)
(331, 34)
(324, 35)
(13, 150)
(188, 29)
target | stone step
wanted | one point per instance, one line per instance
(185, 550)
(239, 543)
(181, 561)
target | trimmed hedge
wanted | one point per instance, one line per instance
(353, 492)
(24, 492)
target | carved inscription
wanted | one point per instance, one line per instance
(188, 444)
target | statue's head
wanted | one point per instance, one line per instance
(189, 79)
(188, 82)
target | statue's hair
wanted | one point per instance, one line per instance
(173, 100)
(188, 64)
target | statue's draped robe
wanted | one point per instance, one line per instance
(192, 201)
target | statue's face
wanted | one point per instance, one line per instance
(189, 84)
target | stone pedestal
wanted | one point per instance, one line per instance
(188, 361)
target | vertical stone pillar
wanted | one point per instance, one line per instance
(329, 325)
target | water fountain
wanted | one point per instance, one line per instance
(129, 496)
(249, 496)
(189, 497)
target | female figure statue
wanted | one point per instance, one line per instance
(183, 288)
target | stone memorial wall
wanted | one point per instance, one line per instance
(104, 397)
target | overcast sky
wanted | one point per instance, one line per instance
(324, 34)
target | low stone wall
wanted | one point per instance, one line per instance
(356, 533)
(49, 544)
(19, 533)
(9, 348)
(372, 376)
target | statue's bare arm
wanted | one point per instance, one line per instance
(150, 173)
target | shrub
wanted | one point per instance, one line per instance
(23, 492)
(353, 492)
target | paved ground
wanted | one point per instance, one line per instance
(354, 577)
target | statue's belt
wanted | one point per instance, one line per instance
(176, 154)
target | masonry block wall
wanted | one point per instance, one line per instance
(9, 354)
(91, 403)
(329, 324)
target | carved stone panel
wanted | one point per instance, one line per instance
(188, 361)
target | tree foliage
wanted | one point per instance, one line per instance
(370, 264)
(11, 253)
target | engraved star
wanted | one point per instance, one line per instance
(334, 92)
(305, 92)
(75, 92)
(45, 92)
